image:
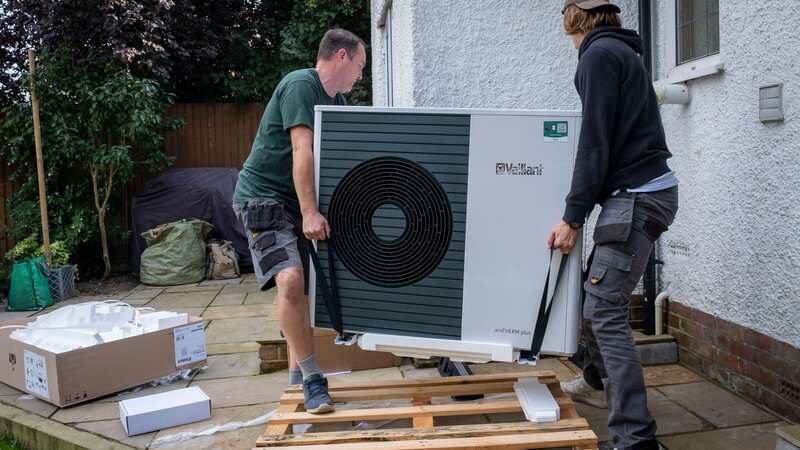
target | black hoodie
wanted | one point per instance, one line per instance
(622, 142)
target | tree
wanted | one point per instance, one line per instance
(100, 124)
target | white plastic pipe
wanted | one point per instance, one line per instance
(660, 300)
(671, 94)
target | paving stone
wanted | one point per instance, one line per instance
(670, 374)
(6, 316)
(193, 312)
(183, 300)
(255, 298)
(149, 293)
(194, 287)
(233, 365)
(420, 374)
(790, 434)
(244, 288)
(597, 418)
(220, 416)
(144, 390)
(230, 440)
(249, 278)
(31, 404)
(87, 412)
(716, 405)
(229, 300)
(220, 282)
(113, 429)
(562, 372)
(671, 417)
(236, 347)
(360, 376)
(755, 437)
(137, 302)
(241, 391)
(8, 390)
(230, 312)
(245, 329)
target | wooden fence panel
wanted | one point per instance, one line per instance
(215, 135)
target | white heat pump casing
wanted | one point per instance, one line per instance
(508, 218)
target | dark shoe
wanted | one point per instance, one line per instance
(315, 392)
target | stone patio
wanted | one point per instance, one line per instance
(692, 413)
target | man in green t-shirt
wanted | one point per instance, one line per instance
(275, 197)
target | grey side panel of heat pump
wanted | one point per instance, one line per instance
(438, 143)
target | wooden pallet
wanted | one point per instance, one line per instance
(571, 431)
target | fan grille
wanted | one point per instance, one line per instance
(412, 215)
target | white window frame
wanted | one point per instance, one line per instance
(690, 70)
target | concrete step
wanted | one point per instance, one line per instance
(656, 350)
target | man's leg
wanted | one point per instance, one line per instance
(293, 319)
(614, 274)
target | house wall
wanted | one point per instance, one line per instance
(487, 54)
(734, 251)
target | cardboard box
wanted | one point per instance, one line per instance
(73, 377)
(166, 410)
(334, 358)
(331, 358)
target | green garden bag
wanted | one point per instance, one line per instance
(175, 253)
(29, 290)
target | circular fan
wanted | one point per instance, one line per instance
(391, 222)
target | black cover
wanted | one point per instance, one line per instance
(197, 193)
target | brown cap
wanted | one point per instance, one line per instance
(589, 5)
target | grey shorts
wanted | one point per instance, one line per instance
(275, 238)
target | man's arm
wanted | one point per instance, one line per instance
(314, 225)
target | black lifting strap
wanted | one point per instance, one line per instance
(329, 292)
(544, 309)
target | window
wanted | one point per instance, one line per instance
(697, 29)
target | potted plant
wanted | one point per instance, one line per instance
(61, 275)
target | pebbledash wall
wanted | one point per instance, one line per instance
(732, 258)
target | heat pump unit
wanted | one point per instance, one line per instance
(439, 223)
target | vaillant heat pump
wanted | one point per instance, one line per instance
(439, 223)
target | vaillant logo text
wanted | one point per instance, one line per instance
(520, 168)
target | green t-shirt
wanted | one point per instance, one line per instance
(267, 173)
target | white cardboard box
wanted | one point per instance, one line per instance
(165, 410)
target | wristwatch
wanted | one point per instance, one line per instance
(575, 225)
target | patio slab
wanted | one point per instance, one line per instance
(244, 329)
(87, 412)
(238, 347)
(670, 374)
(716, 405)
(183, 300)
(255, 298)
(228, 300)
(243, 288)
(30, 404)
(241, 391)
(149, 293)
(237, 439)
(231, 365)
(231, 312)
(113, 429)
(193, 288)
(220, 282)
(756, 437)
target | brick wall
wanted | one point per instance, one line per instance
(752, 364)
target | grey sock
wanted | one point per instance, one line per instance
(309, 367)
(295, 376)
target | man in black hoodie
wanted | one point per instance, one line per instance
(622, 165)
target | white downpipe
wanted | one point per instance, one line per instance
(660, 301)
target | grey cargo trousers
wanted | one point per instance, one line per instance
(628, 225)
